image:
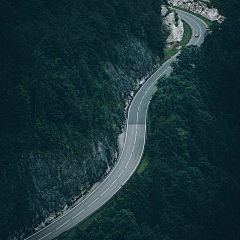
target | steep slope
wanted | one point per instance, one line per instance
(201, 7)
(67, 69)
(191, 187)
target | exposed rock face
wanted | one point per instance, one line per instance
(138, 62)
(201, 7)
(174, 26)
(50, 185)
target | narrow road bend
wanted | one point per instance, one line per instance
(131, 153)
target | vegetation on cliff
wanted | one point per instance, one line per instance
(191, 187)
(57, 100)
(55, 92)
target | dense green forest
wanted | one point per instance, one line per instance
(58, 101)
(191, 187)
(55, 93)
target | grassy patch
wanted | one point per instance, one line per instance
(168, 53)
(70, 235)
(82, 226)
(187, 34)
(142, 166)
(207, 21)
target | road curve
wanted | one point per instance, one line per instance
(132, 150)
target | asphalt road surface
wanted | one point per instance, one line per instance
(131, 153)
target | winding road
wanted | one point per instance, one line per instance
(132, 150)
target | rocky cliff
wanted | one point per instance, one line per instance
(68, 71)
(137, 63)
(173, 24)
(49, 185)
(202, 7)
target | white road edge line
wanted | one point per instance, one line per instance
(120, 157)
(77, 214)
(62, 224)
(143, 146)
(57, 219)
(147, 110)
(193, 16)
(189, 43)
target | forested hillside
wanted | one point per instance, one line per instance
(191, 187)
(61, 109)
(52, 79)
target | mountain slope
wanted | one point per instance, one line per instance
(190, 188)
(67, 68)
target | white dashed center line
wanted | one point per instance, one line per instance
(133, 149)
(92, 202)
(104, 192)
(78, 214)
(63, 224)
(45, 236)
(113, 182)
(121, 173)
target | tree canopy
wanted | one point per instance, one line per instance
(191, 187)
(55, 91)
(57, 99)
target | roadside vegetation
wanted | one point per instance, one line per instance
(190, 189)
(144, 163)
(56, 95)
(207, 21)
(169, 52)
(187, 34)
(57, 100)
